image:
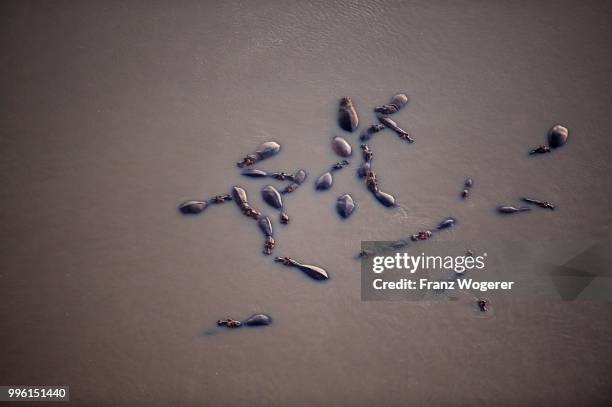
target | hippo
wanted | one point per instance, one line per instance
(364, 169)
(393, 126)
(263, 151)
(395, 105)
(341, 147)
(229, 322)
(324, 182)
(557, 136)
(469, 182)
(446, 223)
(422, 235)
(253, 173)
(339, 165)
(347, 116)
(482, 305)
(540, 150)
(371, 181)
(298, 179)
(253, 320)
(281, 176)
(366, 153)
(193, 207)
(345, 205)
(273, 198)
(314, 272)
(370, 131)
(384, 198)
(240, 196)
(265, 224)
(219, 199)
(257, 320)
(512, 209)
(541, 204)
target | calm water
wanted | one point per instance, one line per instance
(112, 114)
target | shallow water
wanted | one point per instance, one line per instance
(113, 114)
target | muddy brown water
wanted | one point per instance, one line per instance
(113, 114)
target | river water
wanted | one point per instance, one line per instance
(114, 113)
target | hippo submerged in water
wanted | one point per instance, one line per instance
(253, 320)
(469, 182)
(347, 116)
(265, 224)
(298, 179)
(393, 126)
(265, 150)
(326, 180)
(341, 147)
(512, 209)
(541, 204)
(196, 207)
(345, 205)
(273, 198)
(314, 272)
(193, 207)
(384, 198)
(395, 105)
(557, 136)
(370, 131)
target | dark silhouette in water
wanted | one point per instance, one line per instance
(483, 305)
(367, 153)
(341, 147)
(364, 169)
(557, 136)
(324, 182)
(253, 320)
(446, 223)
(384, 198)
(265, 224)
(339, 165)
(240, 196)
(469, 182)
(370, 131)
(540, 150)
(422, 235)
(345, 205)
(541, 204)
(347, 116)
(403, 134)
(395, 105)
(229, 322)
(196, 207)
(257, 320)
(314, 272)
(298, 179)
(193, 207)
(512, 209)
(273, 198)
(265, 150)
